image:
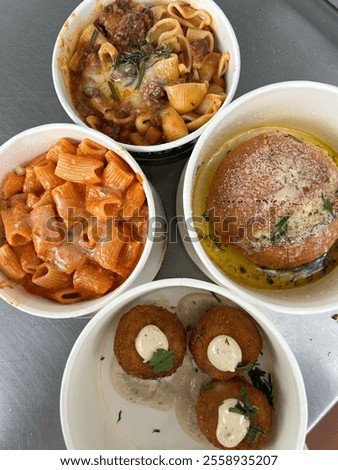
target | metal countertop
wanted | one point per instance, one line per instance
(279, 40)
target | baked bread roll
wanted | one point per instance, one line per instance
(273, 198)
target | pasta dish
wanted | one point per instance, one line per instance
(146, 76)
(73, 222)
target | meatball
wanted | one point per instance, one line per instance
(154, 94)
(131, 29)
(124, 24)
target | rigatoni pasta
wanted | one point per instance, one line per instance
(134, 62)
(79, 169)
(12, 184)
(73, 223)
(10, 264)
(17, 228)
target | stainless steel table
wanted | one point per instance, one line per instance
(279, 40)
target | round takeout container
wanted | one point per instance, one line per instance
(87, 12)
(310, 107)
(31, 143)
(95, 416)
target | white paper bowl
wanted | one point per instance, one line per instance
(307, 106)
(29, 144)
(94, 416)
(66, 43)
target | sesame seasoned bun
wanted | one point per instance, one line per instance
(211, 398)
(230, 322)
(273, 198)
(128, 329)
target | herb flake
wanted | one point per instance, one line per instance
(254, 432)
(261, 380)
(208, 386)
(162, 360)
(216, 297)
(328, 205)
(242, 366)
(113, 91)
(245, 408)
(93, 40)
(281, 229)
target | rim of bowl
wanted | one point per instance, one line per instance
(188, 185)
(65, 101)
(91, 306)
(138, 291)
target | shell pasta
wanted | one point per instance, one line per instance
(73, 222)
(138, 71)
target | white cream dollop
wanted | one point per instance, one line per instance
(149, 339)
(231, 427)
(224, 353)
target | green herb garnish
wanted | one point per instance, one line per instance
(259, 380)
(248, 366)
(134, 62)
(216, 297)
(114, 93)
(162, 360)
(328, 205)
(244, 407)
(208, 386)
(254, 432)
(281, 229)
(295, 138)
(93, 40)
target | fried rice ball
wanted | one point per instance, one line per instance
(229, 321)
(211, 398)
(129, 326)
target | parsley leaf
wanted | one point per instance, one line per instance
(328, 205)
(254, 432)
(281, 229)
(162, 360)
(245, 408)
